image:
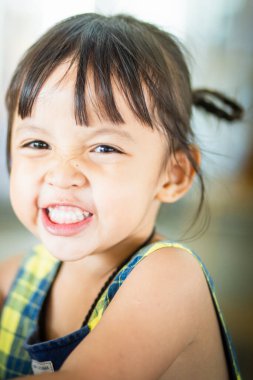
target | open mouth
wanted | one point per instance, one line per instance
(65, 220)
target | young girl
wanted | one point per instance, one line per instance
(99, 137)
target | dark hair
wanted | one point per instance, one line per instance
(139, 56)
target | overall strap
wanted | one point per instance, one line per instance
(20, 310)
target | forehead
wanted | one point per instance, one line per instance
(60, 87)
(56, 102)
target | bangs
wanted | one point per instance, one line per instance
(109, 55)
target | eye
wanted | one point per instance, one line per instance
(106, 149)
(36, 144)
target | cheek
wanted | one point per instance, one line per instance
(126, 196)
(22, 194)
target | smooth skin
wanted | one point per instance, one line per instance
(161, 324)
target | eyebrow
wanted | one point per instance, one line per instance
(93, 130)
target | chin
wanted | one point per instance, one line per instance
(63, 251)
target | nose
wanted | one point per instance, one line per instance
(65, 174)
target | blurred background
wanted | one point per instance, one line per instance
(218, 36)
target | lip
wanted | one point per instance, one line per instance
(66, 230)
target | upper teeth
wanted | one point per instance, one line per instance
(67, 214)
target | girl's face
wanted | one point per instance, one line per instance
(83, 190)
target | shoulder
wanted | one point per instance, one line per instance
(172, 279)
(154, 314)
(173, 270)
(170, 259)
(178, 277)
(8, 271)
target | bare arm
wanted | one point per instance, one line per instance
(150, 321)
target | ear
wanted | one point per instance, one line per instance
(178, 176)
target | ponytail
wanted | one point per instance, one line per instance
(207, 100)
